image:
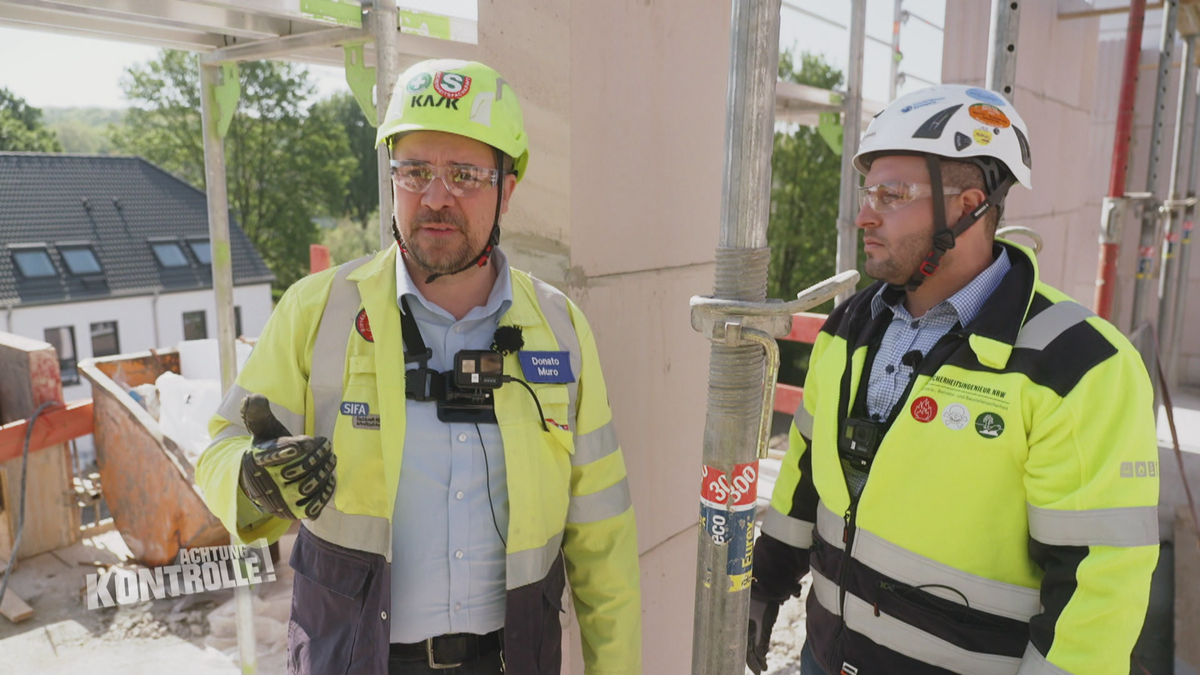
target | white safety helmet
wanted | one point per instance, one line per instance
(954, 122)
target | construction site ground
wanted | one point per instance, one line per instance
(195, 634)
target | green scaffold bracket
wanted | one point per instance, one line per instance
(227, 92)
(424, 23)
(362, 81)
(340, 12)
(829, 128)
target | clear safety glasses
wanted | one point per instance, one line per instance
(461, 180)
(895, 195)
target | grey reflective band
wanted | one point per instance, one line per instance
(826, 592)
(363, 533)
(557, 311)
(329, 349)
(791, 531)
(1036, 664)
(595, 445)
(1052, 322)
(231, 410)
(525, 567)
(830, 525)
(1128, 526)
(915, 643)
(803, 421)
(607, 503)
(988, 595)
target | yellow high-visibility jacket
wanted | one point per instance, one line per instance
(1008, 523)
(567, 490)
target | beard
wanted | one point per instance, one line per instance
(440, 257)
(901, 258)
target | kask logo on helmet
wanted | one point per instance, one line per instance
(451, 85)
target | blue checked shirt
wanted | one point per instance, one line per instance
(890, 377)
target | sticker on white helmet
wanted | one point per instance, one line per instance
(987, 97)
(921, 104)
(451, 85)
(989, 115)
(961, 141)
(983, 136)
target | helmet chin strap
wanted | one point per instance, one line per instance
(943, 236)
(493, 238)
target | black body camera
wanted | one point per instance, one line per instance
(858, 442)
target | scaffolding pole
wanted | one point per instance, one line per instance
(1172, 211)
(222, 274)
(384, 26)
(894, 80)
(736, 372)
(1002, 47)
(1143, 283)
(1179, 308)
(1112, 218)
(847, 239)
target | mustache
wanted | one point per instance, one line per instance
(427, 216)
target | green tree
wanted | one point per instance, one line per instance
(802, 232)
(21, 126)
(285, 164)
(350, 240)
(84, 130)
(362, 188)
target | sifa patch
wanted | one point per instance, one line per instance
(989, 425)
(924, 409)
(451, 85)
(363, 325)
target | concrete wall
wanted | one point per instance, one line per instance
(1067, 90)
(625, 106)
(140, 326)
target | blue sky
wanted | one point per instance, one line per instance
(68, 71)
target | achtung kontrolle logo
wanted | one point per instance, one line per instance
(197, 570)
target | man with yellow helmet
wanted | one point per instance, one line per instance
(483, 381)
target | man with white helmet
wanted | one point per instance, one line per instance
(482, 381)
(972, 475)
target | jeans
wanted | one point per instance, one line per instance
(808, 662)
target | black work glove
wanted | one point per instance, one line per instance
(284, 475)
(758, 633)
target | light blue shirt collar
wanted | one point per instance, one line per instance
(966, 303)
(498, 302)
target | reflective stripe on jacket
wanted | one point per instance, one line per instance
(1008, 523)
(568, 494)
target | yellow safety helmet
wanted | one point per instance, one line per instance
(458, 97)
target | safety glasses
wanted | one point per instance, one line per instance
(895, 195)
(461, 180)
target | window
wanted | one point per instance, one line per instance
(202, 250)
(104, 339)
(237, 321)
(63, 340)
(195, 326)
(34, 263)
(169, 254)
(80, 260)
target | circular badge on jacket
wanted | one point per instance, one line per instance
(924, 409)
(989, 425)
(363, 326)
(956, 416)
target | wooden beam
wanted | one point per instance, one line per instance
(14, 608)
(55, 425)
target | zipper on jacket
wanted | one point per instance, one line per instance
(847, 541)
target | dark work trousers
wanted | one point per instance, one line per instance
(484, 665)
(808, 662)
